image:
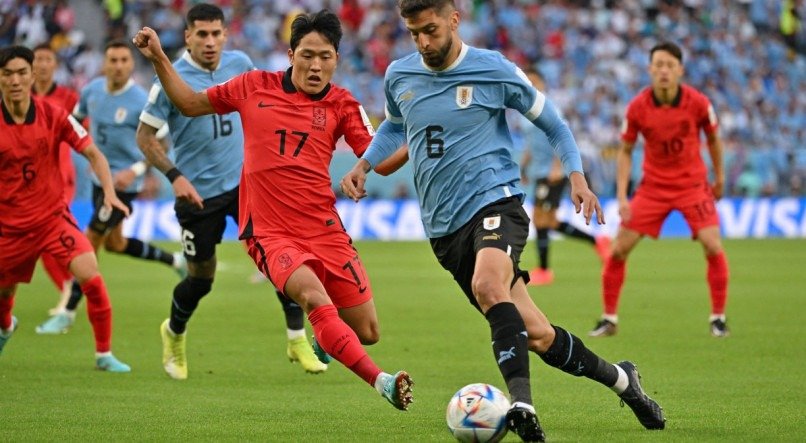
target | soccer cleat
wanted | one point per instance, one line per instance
(603, 328)
(173, 353)
(648, 411)
(301, 351)
(180, 265)
(57, 324)
(523, 422)
(109, 363)
(4, 337)
(541, 277)
(397, 390)
(323, 356)
(603, 247)
(719, 328)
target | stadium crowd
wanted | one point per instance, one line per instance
(742, 54)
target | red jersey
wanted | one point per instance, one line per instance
(31, 191)
(65, 98)
(672, 135)
(289, 139)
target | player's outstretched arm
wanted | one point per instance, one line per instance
(393, 163)
(352, 184)
(715, 149)
(623, 169)
(189, 102)
(155, 153)
(100, 166)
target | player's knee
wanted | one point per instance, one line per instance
(488, 291)
(369, 335)
(114, 245)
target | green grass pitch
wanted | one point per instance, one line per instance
(748, 387)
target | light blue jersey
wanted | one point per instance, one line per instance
(208, 149)
(459, 142)
(113, 123)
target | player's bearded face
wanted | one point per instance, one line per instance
(205, 41)
(433, 34)
(665, 70)
(118, 65)
(313, 61)
(16, 78)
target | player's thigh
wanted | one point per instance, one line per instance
(18, 256)
(104, 220)
(202, 231)
(455, 254)
(279, 257)
(70, 247)
(115, 241)
(711, 240)
(698, 207)
(305, 288)
(648, 212)
(346, 280)
(499, 236)
(625, 241)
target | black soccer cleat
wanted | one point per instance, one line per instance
(524, 423)
(648, 411)
(603, 328)
(719, 328)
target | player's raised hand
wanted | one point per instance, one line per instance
(184, 190)
(352, 184)
(147, 41)
(584, 199)
(112, 201)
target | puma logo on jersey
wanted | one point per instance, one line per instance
(493, 236)
(408, 95)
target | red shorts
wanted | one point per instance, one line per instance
(59, 237)
(331, 256)
(652, 204)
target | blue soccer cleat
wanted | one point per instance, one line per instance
(397, 389)
(323, 356)
(5, 337)
(56, 324)
(109, 363)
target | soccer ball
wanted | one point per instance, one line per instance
(477, 413)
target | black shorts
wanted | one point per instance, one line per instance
(203, 229)
(502, 225)
(103, 221)
(549, 193)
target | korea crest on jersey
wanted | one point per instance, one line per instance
(464, 96)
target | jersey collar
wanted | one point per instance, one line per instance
(29, 117)
(675, 101)
(187, 57)
(289, 88)
(462, 54)
(125, 88)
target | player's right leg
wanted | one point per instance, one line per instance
(563, 350)
(133, 247)
(613, 274)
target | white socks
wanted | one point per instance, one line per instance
(622, 383)
(295, 333)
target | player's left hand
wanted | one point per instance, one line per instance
(584, 199)
(718, 188)
(352, 184)
(123, 179)
(112, 201)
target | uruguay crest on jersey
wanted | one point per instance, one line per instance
(464, 96)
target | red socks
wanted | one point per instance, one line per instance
(718, 282)
(99, 312)
(612, 281)
(338, 340)
(57, 273)
(6, 303)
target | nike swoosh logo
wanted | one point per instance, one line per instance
(342, 348)
(263, 105)
(361, 290)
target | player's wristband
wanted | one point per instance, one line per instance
(139, 168)
(173, 174)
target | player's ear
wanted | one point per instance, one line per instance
(454, 20)
(290, 57)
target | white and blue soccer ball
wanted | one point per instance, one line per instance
(477, 413)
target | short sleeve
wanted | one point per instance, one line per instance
(391, 110)
(519, 94)
(355, 125)
(629, 126)
(81, 109)
(230, 95)
(157, 108)
(708, 121)
(72, 133)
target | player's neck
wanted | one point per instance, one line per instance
(456, 49)
(41, 87)
(18, 110)
(666, 96)
(113, 86)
